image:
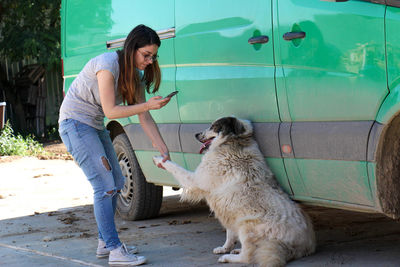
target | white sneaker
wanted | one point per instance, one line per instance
(103, 252)
(121, 257)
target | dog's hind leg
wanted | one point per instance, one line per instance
(230, 242)
(246, 252)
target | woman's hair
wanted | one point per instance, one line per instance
(129, 79)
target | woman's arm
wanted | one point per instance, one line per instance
(151, 130)
(113, 111)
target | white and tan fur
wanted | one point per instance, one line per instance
(242, 192)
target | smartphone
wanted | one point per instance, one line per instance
(172, 94)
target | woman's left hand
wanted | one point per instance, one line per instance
(165, 158)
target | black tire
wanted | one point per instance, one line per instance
(138, 199)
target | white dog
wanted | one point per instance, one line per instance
(241, 190)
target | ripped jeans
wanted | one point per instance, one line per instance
(92, 149)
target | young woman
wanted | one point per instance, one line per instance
(105, 82)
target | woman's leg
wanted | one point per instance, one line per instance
(119, 178)
(84, 143)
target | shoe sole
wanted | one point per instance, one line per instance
(124, 263)
(102, 256)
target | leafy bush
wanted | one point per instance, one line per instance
(31, 29)
(11, 144)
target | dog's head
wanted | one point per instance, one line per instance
(223, 129)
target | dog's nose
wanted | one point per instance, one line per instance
(197, 135)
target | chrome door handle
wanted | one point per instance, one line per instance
(294, 35)
(258, 40)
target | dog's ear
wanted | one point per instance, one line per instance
(238, 127)
(228, 125)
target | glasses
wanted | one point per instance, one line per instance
(149, 57)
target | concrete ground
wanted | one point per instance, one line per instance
(46, 219)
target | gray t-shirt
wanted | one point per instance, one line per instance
(82, 102)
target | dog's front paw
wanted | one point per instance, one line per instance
(220, 250)
(157, 160)
(225, 258)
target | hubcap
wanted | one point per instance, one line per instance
(127, 191)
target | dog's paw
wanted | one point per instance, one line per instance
(225, 258)
(236, 251)
(220, 250)
(157, 160)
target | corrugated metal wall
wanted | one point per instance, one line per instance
(53, 84)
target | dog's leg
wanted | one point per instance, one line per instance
(231, 239)
(245, 254)
(266, 253)
(236, 251)
(183, 176)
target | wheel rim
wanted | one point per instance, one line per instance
(126, 195)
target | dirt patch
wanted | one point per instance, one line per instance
(68, 218)
(55, 150)
(4, 159)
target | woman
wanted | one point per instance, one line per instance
(105, 82)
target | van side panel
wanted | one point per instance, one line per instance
(219, 73)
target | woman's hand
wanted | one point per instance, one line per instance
(165, 158)
(157, 102)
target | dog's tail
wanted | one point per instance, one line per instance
(271, 253)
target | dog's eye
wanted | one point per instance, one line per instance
(216, 128)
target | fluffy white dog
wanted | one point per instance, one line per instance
(245, 197)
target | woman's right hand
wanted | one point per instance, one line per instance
(157, 102)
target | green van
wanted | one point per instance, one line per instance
(320, 80)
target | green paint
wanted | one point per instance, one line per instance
(345, 181)
(338, 71)
(154, 174)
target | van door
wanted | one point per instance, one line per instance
(225, 66)
(159, 15)
(331, 73)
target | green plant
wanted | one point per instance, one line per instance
(11, 144)
(52, 133)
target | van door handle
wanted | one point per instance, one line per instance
(294, 35)
(258, 40)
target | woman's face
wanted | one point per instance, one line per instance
(146, 55)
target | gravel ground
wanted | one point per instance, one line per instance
(46, 219)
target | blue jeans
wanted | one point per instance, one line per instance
(92, 149)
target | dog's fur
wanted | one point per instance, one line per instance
(241, 190)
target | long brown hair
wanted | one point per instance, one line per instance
(129, 79)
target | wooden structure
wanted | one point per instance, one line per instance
(34, 95)
(30, 84)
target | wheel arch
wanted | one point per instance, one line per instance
(388, 167)
(115, 129)
(390, 106)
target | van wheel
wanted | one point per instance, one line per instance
(138, 199)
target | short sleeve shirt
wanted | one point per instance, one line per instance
(82, 101)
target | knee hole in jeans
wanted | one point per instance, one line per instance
(110, 193)
(106, 163)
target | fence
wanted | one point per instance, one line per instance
(47, 109)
